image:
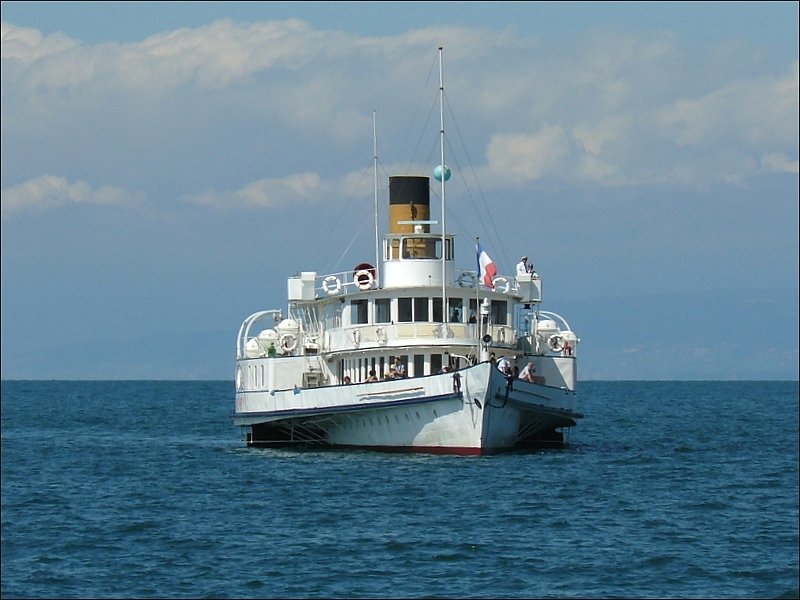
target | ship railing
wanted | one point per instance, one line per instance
(350, 282)
(346, 282)
(527, 285)
(244, 331)
(377, 335)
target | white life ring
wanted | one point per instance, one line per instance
(498, 281)
(331, 285)
(288, 342)
(555, 342)
(467, 279)
(356, 337)
(364, 279)
(380, 335)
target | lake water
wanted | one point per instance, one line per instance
(144, 489)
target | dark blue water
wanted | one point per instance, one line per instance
(144, 489)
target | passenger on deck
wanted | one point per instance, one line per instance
(372, 376)
(399, 368)
(504, 365)
(456, 318)
(347, 380)
(527, 373)
(524, 267)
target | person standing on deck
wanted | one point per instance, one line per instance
(524, 267)
(504, 365)
(399, 367)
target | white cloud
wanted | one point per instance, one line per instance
(615, 109)
(27, 45)
(779, 163)
(49, 191)
(523, 158)
(758, 112)
(300, 188)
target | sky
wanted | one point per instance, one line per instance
(166, 166)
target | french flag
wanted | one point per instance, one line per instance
(485, 267)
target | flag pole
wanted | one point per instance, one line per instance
(444, 178)
(478, 318)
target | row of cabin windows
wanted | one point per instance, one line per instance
(358, 368)
(421, 309)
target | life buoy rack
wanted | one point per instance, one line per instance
(467, 279)
(380, 335)
(288, 342)
(555, 342)
(364, 279)
(501, 281)
(356, 337)
(331, 285)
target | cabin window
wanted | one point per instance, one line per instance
(419, 365)
(393, 249)
(382, 367)
(455, 363)
(333, 315)
(437, 310)
(421, 310)
(523, 317)
(456, 310)
(453, 305)
(436, 363)
(404, 313)
(359, 314)
(473, 311)
(499, 310)
(383, 310)
(430, 248)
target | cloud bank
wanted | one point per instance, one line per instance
(272, 113)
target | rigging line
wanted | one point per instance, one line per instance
(460, 174)
(347, 249)
(416, 113)
(422, 134)
(429, 159)
(477, 181)
(347, 202)
(471, 196)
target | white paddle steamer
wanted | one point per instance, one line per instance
(322, 372)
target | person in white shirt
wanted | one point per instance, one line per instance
(399, 367)
(504, 365)
(527, 373)
(523, 266)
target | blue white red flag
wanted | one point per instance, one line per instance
(486, 267)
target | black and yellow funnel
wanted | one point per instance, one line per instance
(409, 200)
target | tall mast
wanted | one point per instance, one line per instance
(375, 183)
(443, 178)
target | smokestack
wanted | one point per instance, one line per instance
(409, 200)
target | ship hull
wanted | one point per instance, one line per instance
(474, 411)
